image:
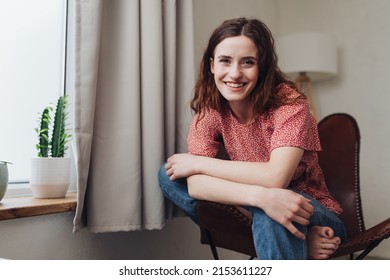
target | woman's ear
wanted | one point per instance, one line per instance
(212, 65)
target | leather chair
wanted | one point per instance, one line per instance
(229, 227)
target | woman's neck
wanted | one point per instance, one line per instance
(242, 113)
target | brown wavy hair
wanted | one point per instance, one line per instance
(265, 94)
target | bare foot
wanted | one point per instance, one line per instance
(321, 242)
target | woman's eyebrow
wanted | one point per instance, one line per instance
(249, 57)
(223, 56)
(242, 58)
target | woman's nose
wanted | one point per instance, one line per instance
(235, 71)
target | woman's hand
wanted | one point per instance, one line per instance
(285, 207)
(181, 166)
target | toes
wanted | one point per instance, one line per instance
(326, 232)
(321, 254)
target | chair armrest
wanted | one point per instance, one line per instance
(359, 242)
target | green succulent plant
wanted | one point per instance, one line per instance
(53, 134)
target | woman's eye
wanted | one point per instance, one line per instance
(248, 62)
(224, 61)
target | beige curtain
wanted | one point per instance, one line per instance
(134, 78)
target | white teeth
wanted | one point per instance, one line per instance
(235, 85)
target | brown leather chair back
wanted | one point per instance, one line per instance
(339, 160)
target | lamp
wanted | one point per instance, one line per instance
(306, 57)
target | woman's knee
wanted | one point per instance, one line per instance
(177, 188)
(161, 172)
(163, 178)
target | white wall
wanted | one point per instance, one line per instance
(361, 88)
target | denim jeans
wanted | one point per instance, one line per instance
(272, 240)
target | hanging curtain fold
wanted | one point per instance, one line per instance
(134, 78)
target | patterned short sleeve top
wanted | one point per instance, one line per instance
(290, 125)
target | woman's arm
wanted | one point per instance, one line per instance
(260, 185)
(283, 206)
(276, 173)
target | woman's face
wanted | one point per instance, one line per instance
(235, 69)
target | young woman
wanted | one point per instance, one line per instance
(244, 104)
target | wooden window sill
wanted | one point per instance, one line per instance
(22, 207)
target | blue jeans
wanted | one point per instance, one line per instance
(272, 240)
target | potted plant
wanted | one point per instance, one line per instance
(50, 171)
(3, 177)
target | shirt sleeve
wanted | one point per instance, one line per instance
(204, 136)
(295, 126)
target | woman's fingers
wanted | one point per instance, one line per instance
(295, 231)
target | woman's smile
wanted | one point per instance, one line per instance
(235, 85)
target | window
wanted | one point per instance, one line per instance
(32, 74)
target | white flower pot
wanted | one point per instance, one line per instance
(50, 177)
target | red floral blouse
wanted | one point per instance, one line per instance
(288, 125)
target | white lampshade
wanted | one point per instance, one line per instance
(312, 53)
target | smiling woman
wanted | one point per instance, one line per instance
(245, 105)
(31, 74)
